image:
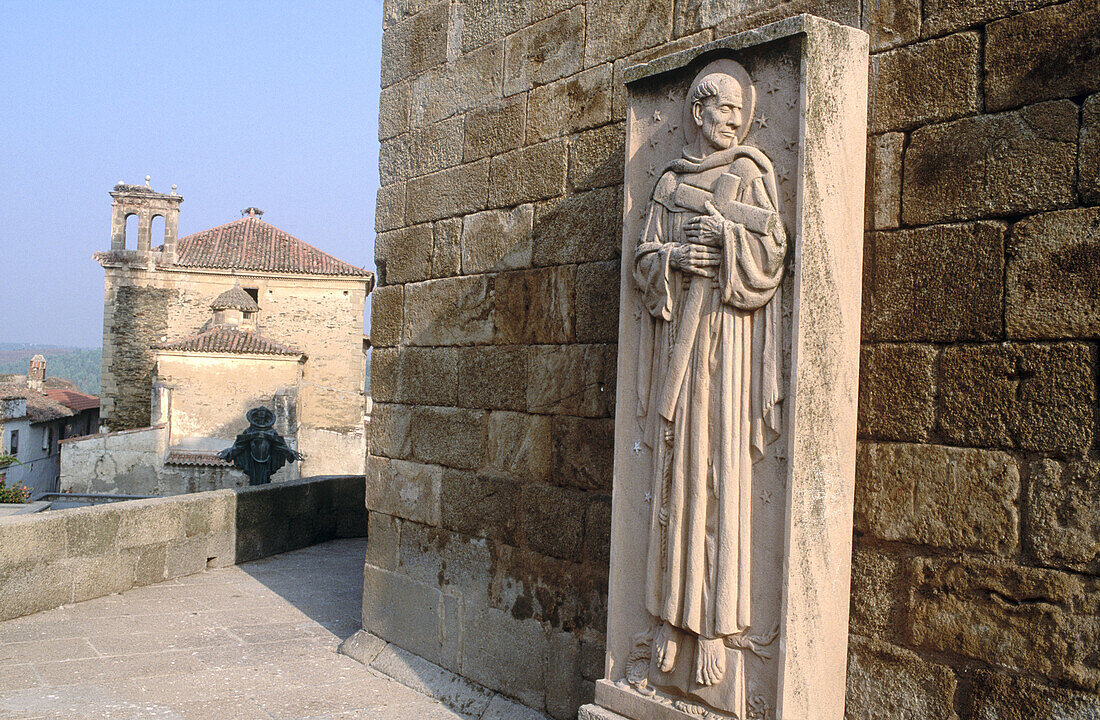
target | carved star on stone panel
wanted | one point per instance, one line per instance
(766, 496)
(790, 145)
(656, 116)
(761, 121)
(784, 175)
(648, 497)
(653, 142)
(773, 87)
(792, 101)
(652, 171)
(671, 95)
(673, 127)
(637, 449)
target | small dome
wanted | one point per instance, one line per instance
(235, 298)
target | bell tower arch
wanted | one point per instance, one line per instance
(144, 203)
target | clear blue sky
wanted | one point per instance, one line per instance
(266, 104)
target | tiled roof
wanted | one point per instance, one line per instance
(196, 457)
(235, 298)
(72, 399)
(40, 408)
(252, 244)
(229, 339)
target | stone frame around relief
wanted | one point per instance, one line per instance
(809, 118)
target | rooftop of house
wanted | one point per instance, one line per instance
(201, 458)
(229, 339)
(40, 406)
(252, 244)
(71, 398)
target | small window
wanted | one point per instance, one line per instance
(253, 293)
(13, 443)
(47, 438)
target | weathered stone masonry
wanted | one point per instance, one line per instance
(139, 319)
(977, 559)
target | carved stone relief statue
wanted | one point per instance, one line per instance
(737, 378)
(708, 266)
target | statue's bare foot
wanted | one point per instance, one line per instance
(666, 646)
(710, 661)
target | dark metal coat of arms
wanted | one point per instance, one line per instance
(260, 451)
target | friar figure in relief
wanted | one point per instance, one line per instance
(708, 265)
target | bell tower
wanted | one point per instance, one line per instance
(137, 293)
(146, 204)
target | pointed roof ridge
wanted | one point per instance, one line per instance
(235, 298)
(249, 243)
(229, 339)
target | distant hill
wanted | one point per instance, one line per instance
(80, 365)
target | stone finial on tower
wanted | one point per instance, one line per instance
(146, 204)
(252, 212)
(36, 374)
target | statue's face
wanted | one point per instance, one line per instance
(719, 117)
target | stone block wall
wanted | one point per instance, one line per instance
(132, 462)
(57, 557)
(135, 317)
(977, 554)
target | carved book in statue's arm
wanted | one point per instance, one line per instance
(755, 219)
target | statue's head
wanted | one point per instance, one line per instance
(719, 106)
(716, 105)
(260, 417)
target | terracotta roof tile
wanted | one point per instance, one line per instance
(72, 399)
(196, 457)
(40, 408)
(252, 244)
(235, 298)
(229, 339)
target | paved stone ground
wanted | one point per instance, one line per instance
(252, 642)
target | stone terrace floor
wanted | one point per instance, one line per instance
(251, 642)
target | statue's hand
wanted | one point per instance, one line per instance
(695, 259)
(706, 229)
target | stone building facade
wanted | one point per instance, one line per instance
(977, 543)
(158, 304)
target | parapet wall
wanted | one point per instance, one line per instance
(136, 462)
(495, 323)
(59, 557)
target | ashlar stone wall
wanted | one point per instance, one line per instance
(977, 559)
